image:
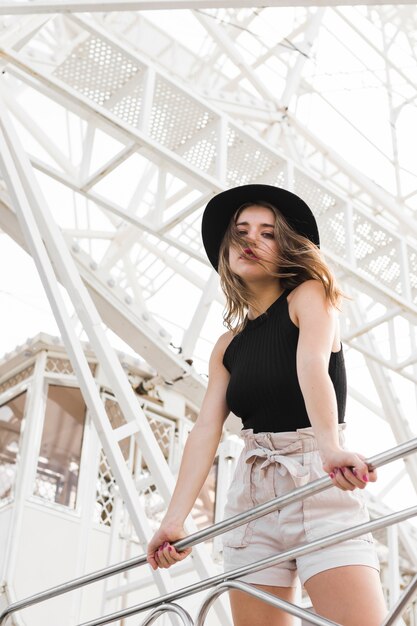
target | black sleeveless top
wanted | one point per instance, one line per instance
(263, 389)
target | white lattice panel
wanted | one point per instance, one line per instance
(106, 485)
(164, 431)
(17, 378)
(56, 365)
(59, 366)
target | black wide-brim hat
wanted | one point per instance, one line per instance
(220, 209)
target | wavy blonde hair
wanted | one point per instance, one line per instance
(298, 259)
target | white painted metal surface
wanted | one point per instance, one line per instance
(150, 127)
(37, 6)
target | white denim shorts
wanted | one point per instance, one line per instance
(270, 465)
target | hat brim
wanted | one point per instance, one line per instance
(221, 208)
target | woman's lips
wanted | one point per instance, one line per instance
(249, 252)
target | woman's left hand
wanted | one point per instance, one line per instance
(348, 470)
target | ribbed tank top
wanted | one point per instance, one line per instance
(263, 389)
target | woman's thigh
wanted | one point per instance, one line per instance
(350, 595)
(249, 611)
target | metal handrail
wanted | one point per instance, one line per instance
(169, 607)
(401, 603)
(294, 553)
(306, 616)
(393, 454)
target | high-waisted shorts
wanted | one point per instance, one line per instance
(270, 465)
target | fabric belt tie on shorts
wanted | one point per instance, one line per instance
(284, 463)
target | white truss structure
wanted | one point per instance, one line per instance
(115, 132)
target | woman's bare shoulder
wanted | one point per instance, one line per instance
(307, 289)
(216, 364)
(223, 341)
(307, 296)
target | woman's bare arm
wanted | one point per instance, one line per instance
(198, 456)
(317, 323)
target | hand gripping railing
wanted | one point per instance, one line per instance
(294, 553)
(166, 608)
(308, 617)
(300, 493)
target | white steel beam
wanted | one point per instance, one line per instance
(193, 331)
(44, 238)
(374, 190)
(199, 177)
(39, 135)
(129, 217)
(22, 30)
(28, 451)
(386, 391)
(90, 6)
(371, 43)
(371, 324)
(295, 73)
(108, 167)
(75, 351)
(228, 46)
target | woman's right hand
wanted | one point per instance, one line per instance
(160, 551)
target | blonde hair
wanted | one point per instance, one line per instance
(298, 259)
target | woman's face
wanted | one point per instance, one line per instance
(256, 226)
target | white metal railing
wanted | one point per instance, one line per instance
(297, 611)
(166, 608)
(398, 608)
(300, 493)
(294, 553)
(308, 617)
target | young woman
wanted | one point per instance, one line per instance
(280, 367)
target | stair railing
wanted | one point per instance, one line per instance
(388, 456)
(294, 553)
(402, 602)
(168, 608)
(297, 611)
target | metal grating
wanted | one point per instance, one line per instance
(97, 70)
(412, 267)
(203, 151)
(17, 378)
(275, 176)
(377, 252)
(128, 108)
(247, 161)
(333, 232)
(315, 195)
(178, 121)
(329, 211)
